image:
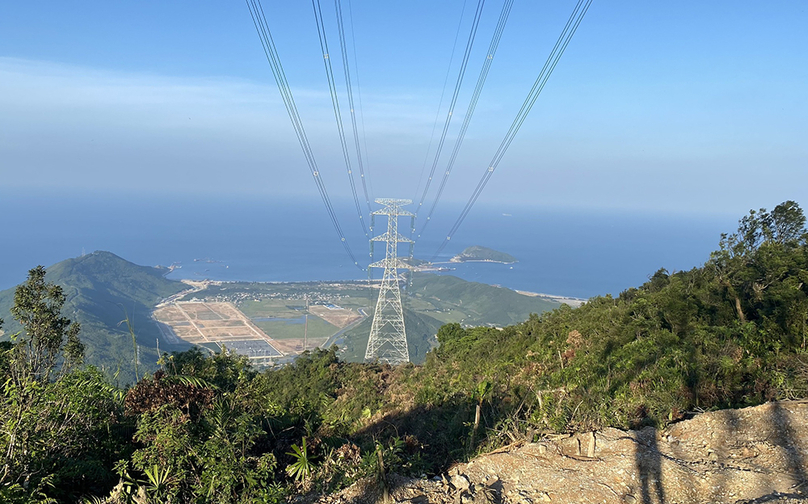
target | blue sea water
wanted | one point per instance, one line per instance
(580, 253)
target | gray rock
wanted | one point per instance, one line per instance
(460, 482)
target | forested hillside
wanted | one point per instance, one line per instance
(433, 300)
(102, 290)
(478, 253)
(211, 429)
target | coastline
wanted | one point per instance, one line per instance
(197, 285)
(567, 300)
(456, 260)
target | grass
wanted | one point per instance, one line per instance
(359, 301)
(447, 316)
(279, 329)
(269, 308)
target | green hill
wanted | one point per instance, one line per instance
(482, 304)
(102, 289)
(478, 253)
(435, 300)
(728, 334)
(421, 331)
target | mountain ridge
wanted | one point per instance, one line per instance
(102, 290)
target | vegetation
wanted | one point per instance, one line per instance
(284, 329)
(212, 429)
(421, 330)
(478, 253)
(479, 304)
(55, 416)
(112, 299)
(103, 291)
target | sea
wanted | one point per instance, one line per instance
(561, 251)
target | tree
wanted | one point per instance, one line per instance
(46, 333)
(39, 417)
(743, 264)
(5, 351)
(787, 225)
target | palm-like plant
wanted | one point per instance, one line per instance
(303, 466)
(158, 481)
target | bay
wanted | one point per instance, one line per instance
(579, 253)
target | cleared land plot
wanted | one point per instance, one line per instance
(361, 300)
(293, 328)
(432, 300)
(340, 317)
(295, 345)
(270, 308)
(171, 314)
(205, 323)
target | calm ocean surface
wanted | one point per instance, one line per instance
(573, 253)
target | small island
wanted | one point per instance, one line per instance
(477, 253)
(420, 265)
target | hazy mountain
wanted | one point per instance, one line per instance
(102, 290)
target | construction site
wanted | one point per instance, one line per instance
(265, 329)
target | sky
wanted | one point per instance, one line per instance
(690, 107)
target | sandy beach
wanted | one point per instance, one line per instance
(571, 301)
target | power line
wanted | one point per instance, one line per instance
(332, 87)
(359, 94)
(442, 93)
(349, 87)
(552, 60)
(271, 52)
(489, 58)
(472, 34)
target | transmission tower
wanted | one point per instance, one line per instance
(388, 338)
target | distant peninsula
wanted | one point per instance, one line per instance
(477, 253)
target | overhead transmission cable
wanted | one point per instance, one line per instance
(489, 58)
(464, 64)
(332, 87)
(359, 95)
(271, 52)
(552, 60)
(364, 143)
(349, 88)
(440, 101)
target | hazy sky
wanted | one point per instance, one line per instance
(690, 105)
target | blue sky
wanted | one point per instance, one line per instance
(687, 106)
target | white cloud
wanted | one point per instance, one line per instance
(80, 127)
(64, 126)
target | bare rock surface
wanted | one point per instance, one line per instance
(747, 456)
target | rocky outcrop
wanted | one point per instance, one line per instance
(751, 455)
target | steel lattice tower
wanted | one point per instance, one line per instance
(388, 337)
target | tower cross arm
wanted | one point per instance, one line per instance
(393, 201)
(390, 263)
(393, 211)
(388, 237)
